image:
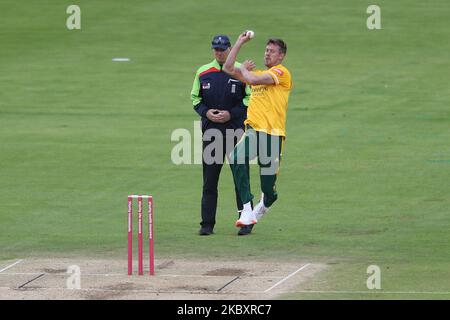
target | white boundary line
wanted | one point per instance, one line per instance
(287, 277)
(121, 59)
(11, 265)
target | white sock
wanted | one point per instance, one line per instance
(261, 210)
(262, 201)
(248, 207)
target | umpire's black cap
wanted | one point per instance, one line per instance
(221, 41)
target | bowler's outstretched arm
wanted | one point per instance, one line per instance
(242, 73)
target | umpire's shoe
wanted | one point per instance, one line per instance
(206, 230)
(245, 230)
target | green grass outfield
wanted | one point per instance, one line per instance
(365, 177)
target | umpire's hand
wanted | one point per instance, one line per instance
(218, 116)
(224, 116)
(214, 115)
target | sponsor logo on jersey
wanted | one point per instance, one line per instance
(280, 72)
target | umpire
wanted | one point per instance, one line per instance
(221, 101)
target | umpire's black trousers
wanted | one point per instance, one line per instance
(211, 173)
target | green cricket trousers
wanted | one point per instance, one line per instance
(267, 148)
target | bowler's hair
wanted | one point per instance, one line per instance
(278, 42)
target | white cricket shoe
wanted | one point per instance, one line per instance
(247, 218)
(260, 210)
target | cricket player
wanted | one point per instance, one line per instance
(265, 125)
(221, 102)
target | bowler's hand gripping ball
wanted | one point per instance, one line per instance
(250, 34)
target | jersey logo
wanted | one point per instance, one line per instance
(280, 72)
(206, 86)
(232, 80)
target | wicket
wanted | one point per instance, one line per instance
(140, 235)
